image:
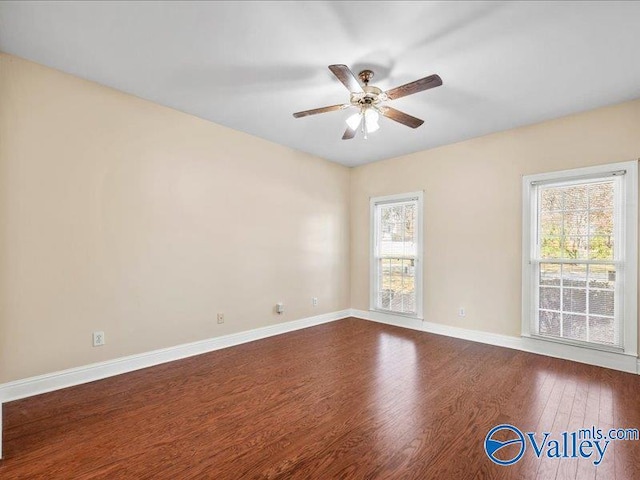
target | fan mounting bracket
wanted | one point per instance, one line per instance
(365, 76)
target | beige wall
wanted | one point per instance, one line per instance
(472, 198)
(124, 216)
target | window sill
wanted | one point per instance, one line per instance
(577, 343)
(398, 314)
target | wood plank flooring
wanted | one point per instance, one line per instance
(348, 400)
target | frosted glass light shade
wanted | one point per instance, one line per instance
(353, 121)
(371, 119)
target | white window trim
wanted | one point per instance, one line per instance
(373, 201)
(629, 304)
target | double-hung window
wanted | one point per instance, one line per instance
(580, 256)
(396, 253)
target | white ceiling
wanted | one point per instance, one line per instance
(250, 65)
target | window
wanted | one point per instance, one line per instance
(396, 253)
(580, 257)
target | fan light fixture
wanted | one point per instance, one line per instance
(369, 100)
(371, 120)
(368, 118)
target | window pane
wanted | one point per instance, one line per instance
(397, 232)
(409, 231)
(408, 286)
(551, 200)
(601, 195)
(574, 326)
(574, 300)
(574, 275)
(576, 223)
(391, 241)
(575, 197)
(601, 302)
(549, 298)
(397, 285)
(397, 250)
(385, 299)
(601, 247)
(550, 274)
(385, 273)
(576, 247)
(601, 222)
(549, 323)
(551, 224)
(385, 293)
(602, 276)
(551, 247)
(601, 330)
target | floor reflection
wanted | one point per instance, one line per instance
(396, 392)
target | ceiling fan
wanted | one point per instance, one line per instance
(368, 99)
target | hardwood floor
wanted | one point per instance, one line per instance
(349, 399)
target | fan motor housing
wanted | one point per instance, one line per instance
(371, 96)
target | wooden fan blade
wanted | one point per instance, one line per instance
(315, 111)
(401, 117)
(346, 76)
(349, 133)
(414, 87)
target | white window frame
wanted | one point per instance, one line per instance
(626, 301)
(373, 264)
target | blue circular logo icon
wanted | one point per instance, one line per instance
(513, 436)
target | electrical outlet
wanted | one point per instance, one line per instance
(98, 339)
(221, 318)
(314, 301)
(462, 312)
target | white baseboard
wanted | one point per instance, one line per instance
(397, 320)
(97, 371)
(615, 361)
(75, 376)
